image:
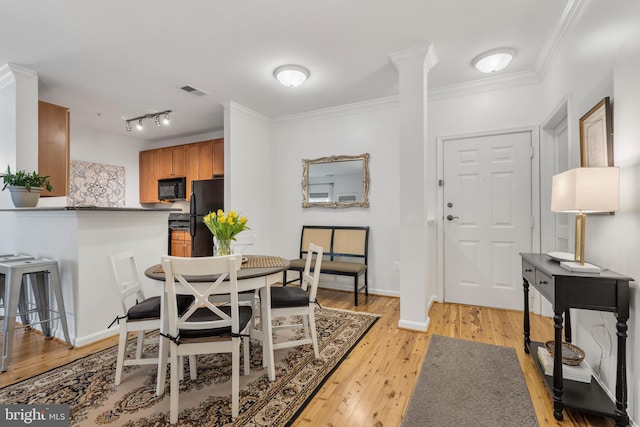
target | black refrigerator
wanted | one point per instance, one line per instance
(207, 195)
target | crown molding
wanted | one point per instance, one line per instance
(484, 85)
(423, 54)
(556, 36)
(246, 113)
(339, 111)
(10, 73)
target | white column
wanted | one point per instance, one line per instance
(413, 65)
(19, 118)
(18, 121)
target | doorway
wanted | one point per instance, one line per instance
(487, 216)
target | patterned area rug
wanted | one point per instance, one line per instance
(87, 385)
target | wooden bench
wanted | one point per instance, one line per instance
(346, 253)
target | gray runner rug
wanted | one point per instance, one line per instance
(466, 383)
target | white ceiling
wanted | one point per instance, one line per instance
(118, 59)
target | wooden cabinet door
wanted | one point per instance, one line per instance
(165, 162)
(205, 154)
(178, 167)
(177, 245)
(148, 176)
(180, 243)
(192, 165)
(171, 162)
(218, 157)
(53, 147)
(187, 244)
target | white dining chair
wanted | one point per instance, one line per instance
(288, 301)
(137, 312)
(204, 327)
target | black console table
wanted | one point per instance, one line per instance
(607, 291)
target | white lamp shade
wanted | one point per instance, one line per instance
(586, 190)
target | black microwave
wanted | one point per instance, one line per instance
(172, 189)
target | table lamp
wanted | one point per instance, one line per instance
(581, 191)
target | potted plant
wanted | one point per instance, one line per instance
(25, 187)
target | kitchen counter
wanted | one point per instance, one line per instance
(91, 209)
(80, 239)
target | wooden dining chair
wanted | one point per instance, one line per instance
(204, 327)
(288, 301)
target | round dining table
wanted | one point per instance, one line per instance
(257, 273)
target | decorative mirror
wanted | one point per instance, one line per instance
(336, 181)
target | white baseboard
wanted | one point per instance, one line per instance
(414, 326)
(97, 336)
(349, 288)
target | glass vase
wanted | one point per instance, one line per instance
(222, 247)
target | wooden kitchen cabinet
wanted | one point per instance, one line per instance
(171, 162)
(198, 160)
(218, 157)
(205, 156)
(53, 147)
(148, 170)
(192, 164)
(180, 243)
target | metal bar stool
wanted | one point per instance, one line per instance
(47, 275)
(22, 302)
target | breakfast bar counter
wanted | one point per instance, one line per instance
(80, 238)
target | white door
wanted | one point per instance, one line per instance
(487, 218)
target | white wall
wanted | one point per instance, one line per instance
(350, 130)
(248, 172)
(515, 107)
(91, 145)
(601, 57)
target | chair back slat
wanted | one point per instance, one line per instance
(310, 279)
(125, 279)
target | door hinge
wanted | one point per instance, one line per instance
(441, 183)
(531, 151)
(532, 221)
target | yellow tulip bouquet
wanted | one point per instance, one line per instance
(224, 228)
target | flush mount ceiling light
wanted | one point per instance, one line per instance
(155, 116)
(291, 75)
(493, 60)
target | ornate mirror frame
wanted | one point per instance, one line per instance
(364, 200)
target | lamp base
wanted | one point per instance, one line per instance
(579, 268)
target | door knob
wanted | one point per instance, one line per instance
(451, 217)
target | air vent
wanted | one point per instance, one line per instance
(194, 90)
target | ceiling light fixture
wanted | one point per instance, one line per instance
(155, 116)
(493, 60)
(291, 75)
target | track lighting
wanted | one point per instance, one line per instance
(155, 116)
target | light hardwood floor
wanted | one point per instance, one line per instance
(373, 385)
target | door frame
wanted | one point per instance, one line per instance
(547, 170)
(535, 189)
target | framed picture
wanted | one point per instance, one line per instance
(596, 137)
